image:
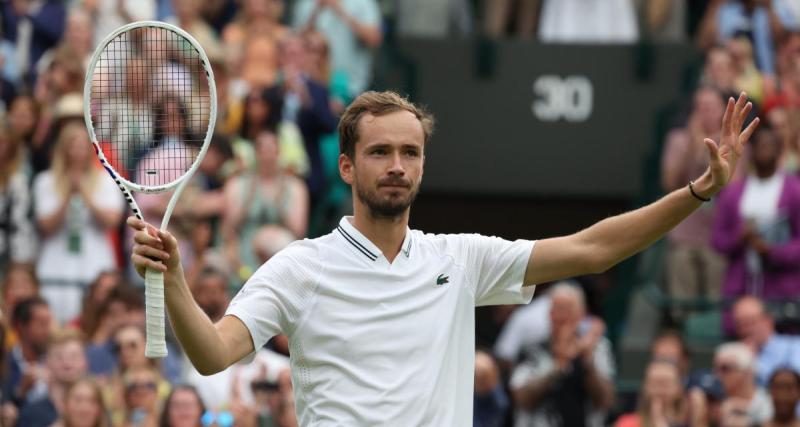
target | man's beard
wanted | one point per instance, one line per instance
(387, 208)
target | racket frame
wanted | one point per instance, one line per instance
(125, 185)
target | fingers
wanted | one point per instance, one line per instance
(713, 150)
(148, 239)
(148, 263)
(728, 116)
(169, 241)
(748, 131)
(151, 252)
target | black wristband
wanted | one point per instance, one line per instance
(697, 196)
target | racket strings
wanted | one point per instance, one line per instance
(150, 105)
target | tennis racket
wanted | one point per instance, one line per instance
(150, 105)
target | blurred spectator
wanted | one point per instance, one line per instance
(756, 329)
(491, 402)
(25, 373)
(19, 284)
(719, 71)
(210, 291)
(352, 28)
(252, 39)
(66, 364)
(565, 381)
(142, 397)
(124, 304)
(694, 269)
(77, 39)
(670, 347)
(23, 116)
(734, 365)
(187, 16)
(785, 123)
(306, 103)
(108, 15)
(761, 21)
(220, 389)
(499, 14)
(757, 226)
(335, 202)
(269, 240)
(9, 69)
(127, 102)
(517, 333)
(34, 26)
(75, 204)
(784, 388)
(59, 92)
(705, 396)
(17, 235)
(664, 20)
(434, 18)
(661, 401)
(83, 406)
(127, 393)
(578, 21)
(182, 408)
(266, 196)
(93, 299)
(263, 110)
(748, 78)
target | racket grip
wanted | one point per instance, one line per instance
(156, 345)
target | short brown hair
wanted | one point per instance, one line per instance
(377, 104)
(63, 336)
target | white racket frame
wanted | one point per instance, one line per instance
(156, 346)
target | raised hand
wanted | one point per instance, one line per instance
(154, 249)
(724, 157)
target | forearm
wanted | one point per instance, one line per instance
(600, 389)
(617, 238)
(707, 34)
(370, 35)
(530, 395)
(107, 218)
(196, 333)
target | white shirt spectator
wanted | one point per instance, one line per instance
(588, 21)
(64, 268)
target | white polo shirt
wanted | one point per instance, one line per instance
(374, 343)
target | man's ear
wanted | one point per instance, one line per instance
(346, 168)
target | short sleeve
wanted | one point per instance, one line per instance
(273, 299)
(496, 267)
(367, 13)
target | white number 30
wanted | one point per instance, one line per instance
(568, 98)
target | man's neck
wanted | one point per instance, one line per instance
(385, 233)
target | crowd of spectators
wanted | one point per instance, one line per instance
(72, 319)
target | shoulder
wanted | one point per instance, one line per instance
(301, 260)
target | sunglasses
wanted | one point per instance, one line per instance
(149, 385)
(124, 345)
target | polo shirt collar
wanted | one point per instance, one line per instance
(364, 245)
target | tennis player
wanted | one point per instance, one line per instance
(380, 318)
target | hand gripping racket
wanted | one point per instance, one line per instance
(150, 105)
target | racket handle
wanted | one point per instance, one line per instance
(156, 345)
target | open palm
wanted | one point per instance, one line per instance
(724, 157)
